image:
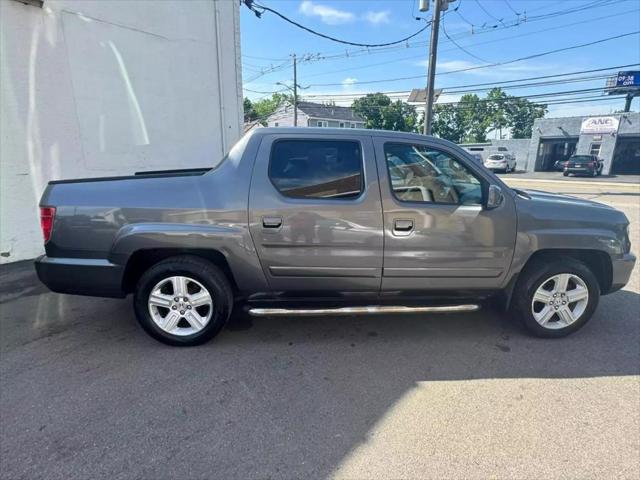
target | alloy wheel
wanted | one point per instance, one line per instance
(180, 305)
(560, 301)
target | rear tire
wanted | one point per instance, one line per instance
(203, 306)
(565, 174)
(539, 297)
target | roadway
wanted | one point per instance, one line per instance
(85, 393)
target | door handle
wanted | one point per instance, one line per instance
(403, 225)
(271, 222)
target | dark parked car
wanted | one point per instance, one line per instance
(583, 164)
(325, 221)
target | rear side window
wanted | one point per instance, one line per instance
(317, 168)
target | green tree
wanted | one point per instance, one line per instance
(496, 107)
(477, 117)
(263, 108)
(449, 122)
(380, 112)
(249, 113)
(521, 114)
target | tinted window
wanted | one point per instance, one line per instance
(316, 168)
(422, 174)
(496, 157)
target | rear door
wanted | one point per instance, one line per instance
(438, 235)
(315, 214)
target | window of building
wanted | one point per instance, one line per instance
(322, 123)
(317, 168)
(275, 124)
(353, 125)
(341, 124)
(423, 174)
(595, 149)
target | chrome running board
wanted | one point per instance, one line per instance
(305, 312)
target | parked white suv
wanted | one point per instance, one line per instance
(504, 162)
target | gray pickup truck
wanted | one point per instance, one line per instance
(311, 221)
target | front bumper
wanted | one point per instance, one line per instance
(81, 276)
(621, 271)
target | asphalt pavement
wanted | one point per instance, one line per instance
(85, 393)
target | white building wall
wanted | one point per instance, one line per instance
(96, 88)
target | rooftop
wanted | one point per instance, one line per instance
(329, 112)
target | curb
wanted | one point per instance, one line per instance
(572, 182)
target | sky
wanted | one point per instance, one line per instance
(479, 33)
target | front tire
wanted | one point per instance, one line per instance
(183, 301)
(556, 297)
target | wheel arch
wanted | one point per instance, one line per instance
(598, 261)
(141, 260)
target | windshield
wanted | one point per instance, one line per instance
(580, 158)
(496, 157)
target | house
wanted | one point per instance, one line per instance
(108, 88)
(316, 115)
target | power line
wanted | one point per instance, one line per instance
(511, 8)
(534, 84)
(350, 54)
(566, 93)
(421, 44)
(487, 12)
(444, 30)
(252, 5)
(451, 89)
(330, 55)
(478, 67)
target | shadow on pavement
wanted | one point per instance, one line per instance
(85, 393)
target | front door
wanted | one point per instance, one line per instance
(315, 215)
(438, 235)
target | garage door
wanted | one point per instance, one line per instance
(626, 157)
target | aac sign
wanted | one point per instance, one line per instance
(599, 125)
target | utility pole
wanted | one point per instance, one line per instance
(433, 53)
(293, 89)
(627, 103)
(295, 92)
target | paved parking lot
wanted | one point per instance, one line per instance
(86, 394)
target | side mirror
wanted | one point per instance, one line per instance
(495, 197)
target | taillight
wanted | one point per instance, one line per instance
(47, 215)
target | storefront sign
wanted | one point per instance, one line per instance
(599, 125)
